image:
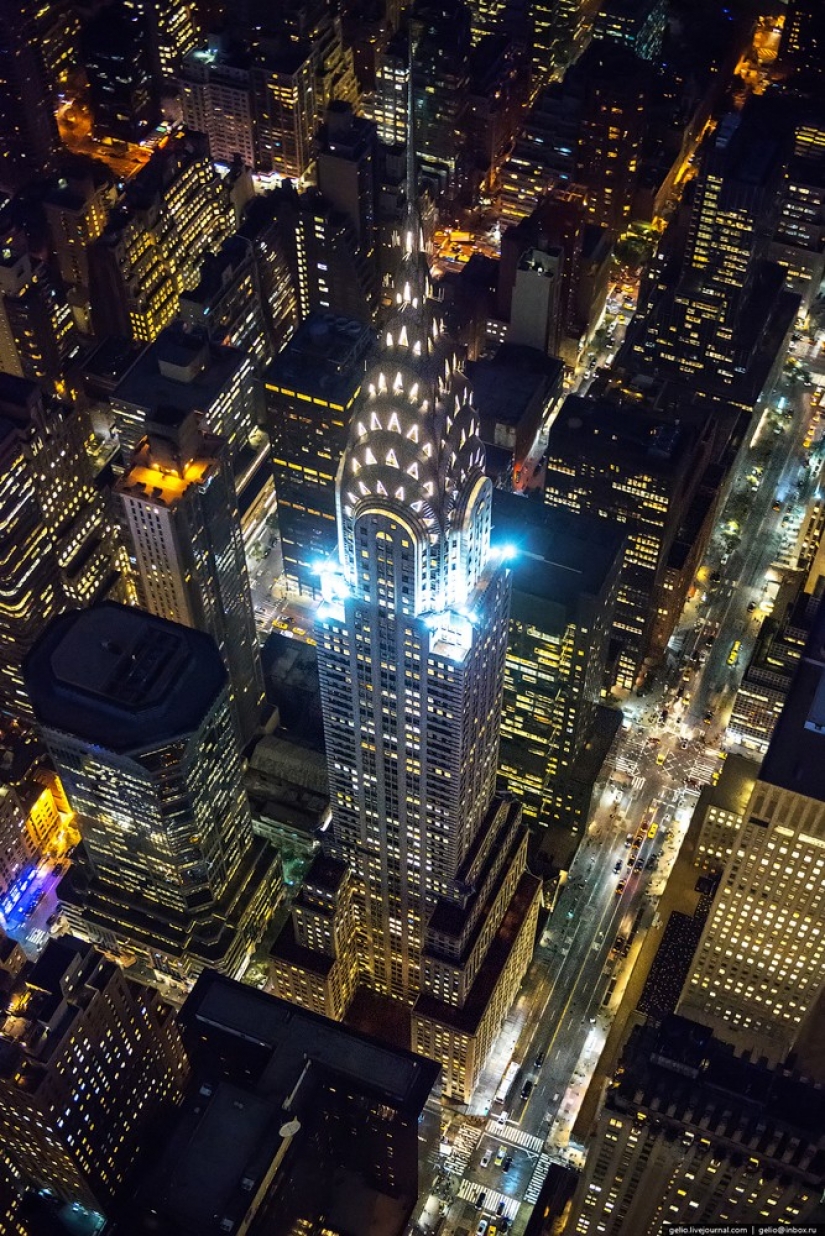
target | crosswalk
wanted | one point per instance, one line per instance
(470, 1191)
(465, 1143)
(704, 766)
(537, 1180)
(514, 1136)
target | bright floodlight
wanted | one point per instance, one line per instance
(509, 552)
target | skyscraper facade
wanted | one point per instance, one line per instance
(760, 965)
(411, 649)
(135, 712)
(181, 513)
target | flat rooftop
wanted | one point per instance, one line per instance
(294, 1035)
(795, 759)
(324, 359)
(144, 385)
(118, 677)
(559, 557)
(506, 386)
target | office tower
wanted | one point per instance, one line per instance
(803, 38)
(639, 24)
(689, 1133)
(184, 371)
(59, 549)
(17, 851)
(715, 312)
(760, 966)
(216, 99)
(267, 227)
(346, 170)
(284, 83)
(796, 245)
(565, 580)
(28, 131)
(37, 331)
(115, 53)
(440, 33)
(311, 388)
(645, 470)
(392, 73)
(762, 693)
(720, 812)
(558, 30)
(77, 210)
(616, 89)
(175, 210)
(499, 82)
(183, 530)
(136, 713)
(174, 34)
(315, 23)
(411, 649)
(88, 1060)
(226, 305)
(323, 1123)
(335, 269)
(544, 155)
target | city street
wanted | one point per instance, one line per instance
(500, 1150)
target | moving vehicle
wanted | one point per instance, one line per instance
(527, 1089)
(500, 1156)
(620, 887)
(485, 1158)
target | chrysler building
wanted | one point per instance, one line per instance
(422, 893)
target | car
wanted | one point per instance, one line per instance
(708, 717)
(620, 944)
(527, 1090)
(715, 577)
(651, 862)
(485, 1158)
(661, 757)
(508, 1163)
(539, 1059)
(751, 606)
(500, 1156)
(617, 868)
(502, 1117)
(653, 830)
(628, 839)
(684, 743)
(680, 692)
(481, 1198)
(639, 865)
(482, 1226)
(776, 506)
(620, 887)
(500, 1208)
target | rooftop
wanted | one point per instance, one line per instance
(558, 557)
(294, 1036)
(506, 386)
(179, 370)
(604, 426)
(795, 759)
(325, 359)
(121, 678)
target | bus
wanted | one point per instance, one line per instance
(510, 1075)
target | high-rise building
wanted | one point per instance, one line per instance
(760, 965)
(59, 549)
(88, 1059)
(639, 24)
(797, 242)
(77, 210)
(565, 579)
(392, 75)
(715, 313)
(323, 1123)
(135, 711)
(645, 470)
(175, 210)
(184, 535)
(17, 850)
(216, 99)
(117, 60)
(28, 132)
(615, 88)
(311, 388)
(720, 812)
(440, 32)
(691, 1134)
(411, 650)
(37, 330)
(346, 170)
(803, 37)
(226, 306)
(182, 369)
(285, 85)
